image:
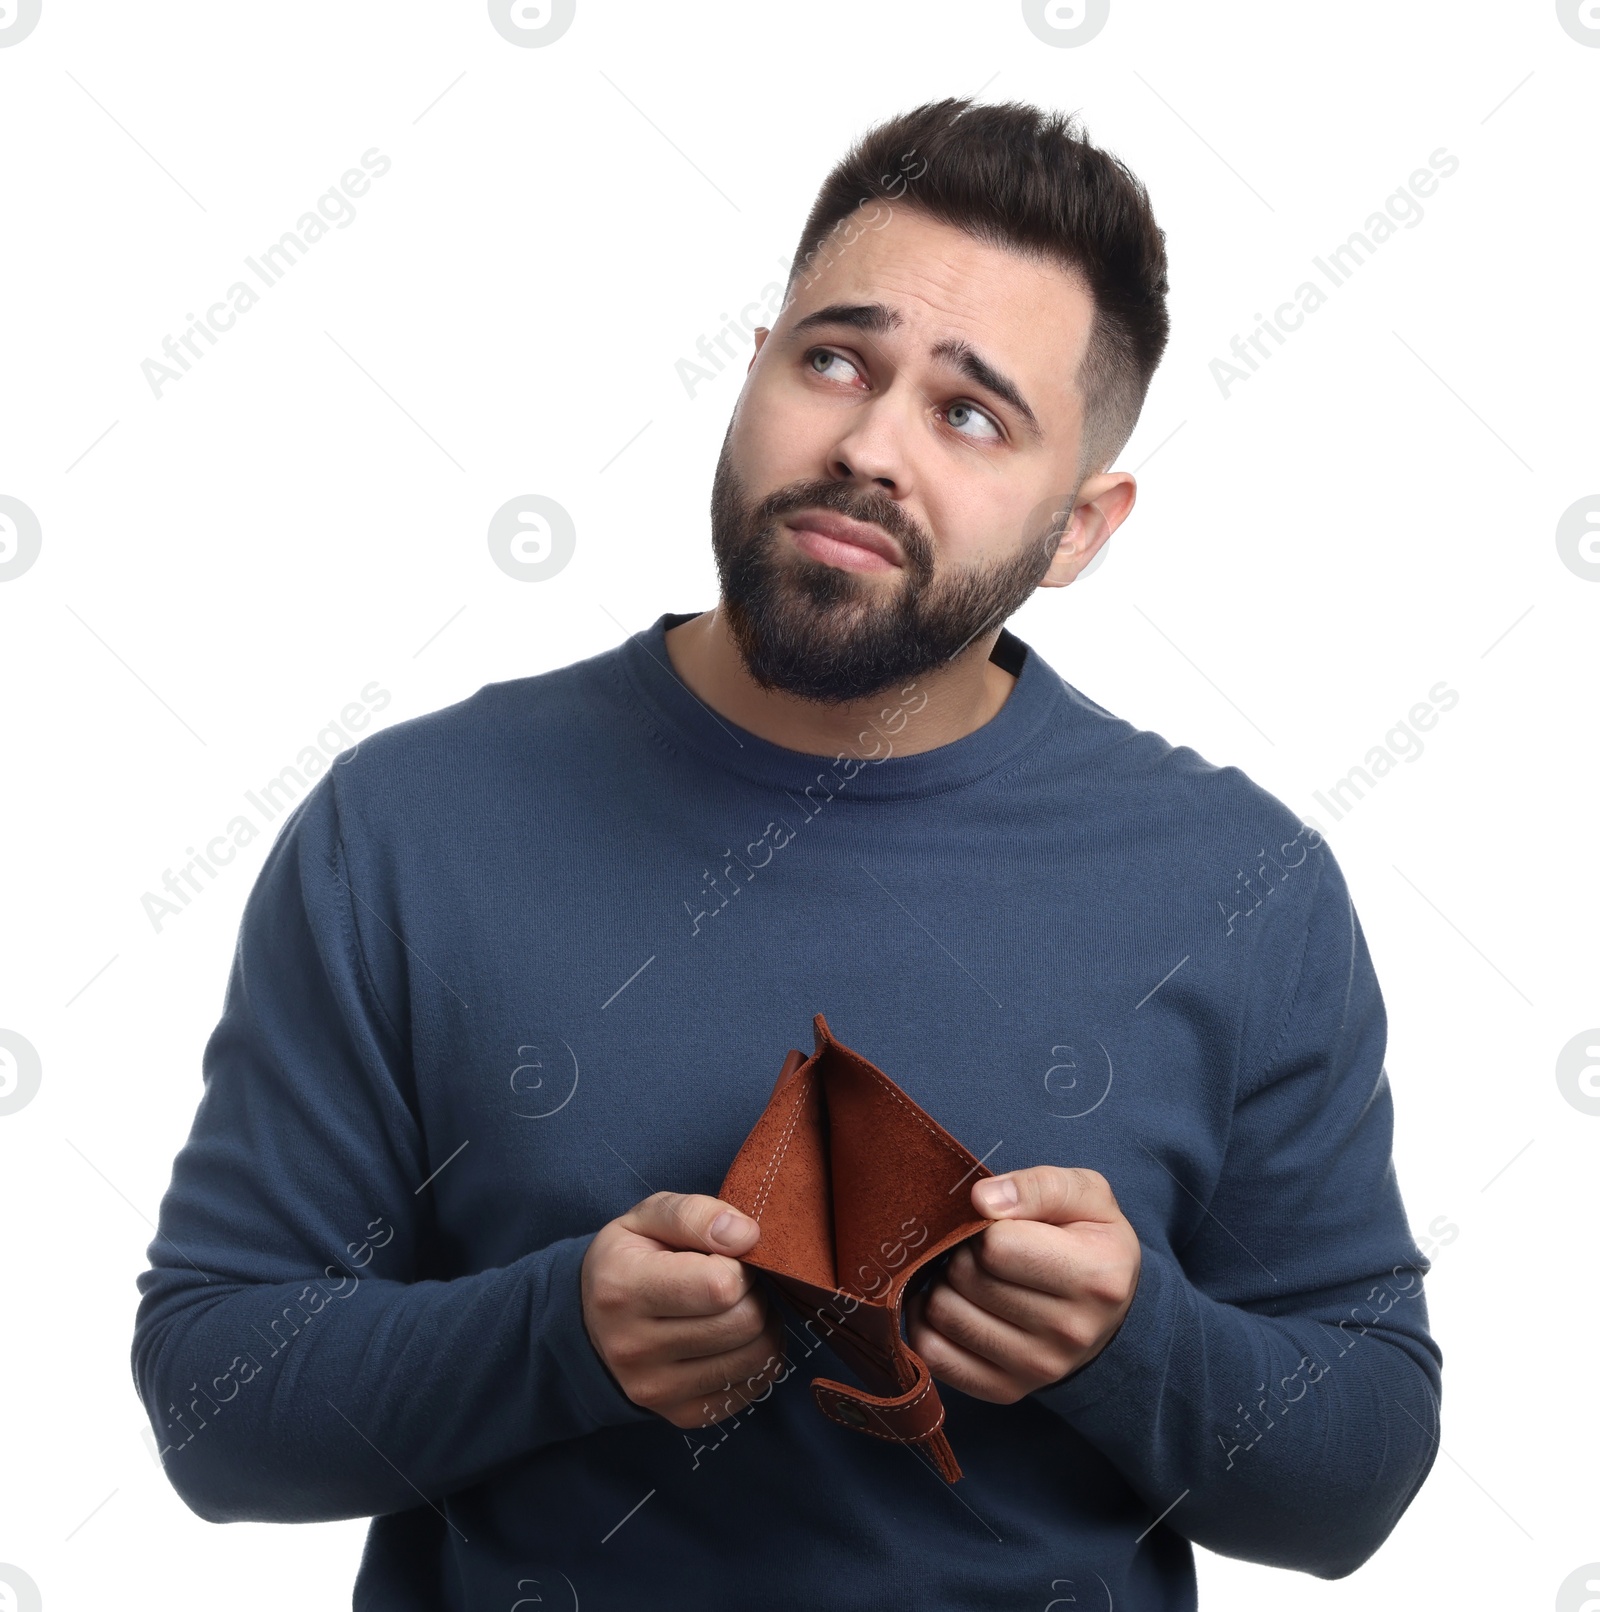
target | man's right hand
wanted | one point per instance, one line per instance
(679, 1322)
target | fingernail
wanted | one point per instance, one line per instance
(998, 1194)
(728, 1227)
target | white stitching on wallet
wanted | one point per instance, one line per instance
(769, 1177)
(889, 1438)
(889, 1091)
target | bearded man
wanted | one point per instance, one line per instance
(445, 1246)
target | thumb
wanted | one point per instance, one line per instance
(694, 1221)
(1054, 1194)
(732, 1230)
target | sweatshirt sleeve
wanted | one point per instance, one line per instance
(296, 1362)
(1273, 1392)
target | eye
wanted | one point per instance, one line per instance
(958, 413)
(826, 358)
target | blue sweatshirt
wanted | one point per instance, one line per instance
(512, 966)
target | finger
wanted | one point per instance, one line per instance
(1086, 1261)
(738, 1374)
(1053, 1193)
(667, 1282)
(694, 1338)
(692, 1220)
(955, 1365)
(726, 1400)
(975, 1329)
(1028, 1305)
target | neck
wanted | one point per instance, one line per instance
(961, 696)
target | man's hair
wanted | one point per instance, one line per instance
(1016, 176)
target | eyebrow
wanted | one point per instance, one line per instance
(877, 318)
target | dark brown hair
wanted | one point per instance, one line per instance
(1016, 176)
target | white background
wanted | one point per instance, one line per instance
(223, 569)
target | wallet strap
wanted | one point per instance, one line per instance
(912, 1417)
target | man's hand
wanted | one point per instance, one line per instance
(679, 1322)
(1035, 1295)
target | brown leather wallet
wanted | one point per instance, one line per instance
(856, 1189)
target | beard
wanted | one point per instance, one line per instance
(829, 635)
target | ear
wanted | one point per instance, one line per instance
(1103, 503)
(761, 334)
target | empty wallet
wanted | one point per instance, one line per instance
(856, 1189)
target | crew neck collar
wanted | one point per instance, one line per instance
(685, 722)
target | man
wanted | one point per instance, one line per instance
(444, 1246)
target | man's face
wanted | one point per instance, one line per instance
(891, 404)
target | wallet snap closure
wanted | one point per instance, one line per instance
(915, 1418)
(905, 1418)
(851, 1413)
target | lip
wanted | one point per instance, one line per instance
(848, 534)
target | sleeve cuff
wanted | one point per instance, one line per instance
(1136, 1357)
(595, 1392)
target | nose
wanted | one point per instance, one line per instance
(872, 451)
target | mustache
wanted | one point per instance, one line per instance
(840, 498)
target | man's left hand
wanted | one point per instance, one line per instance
(1035, 1295)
